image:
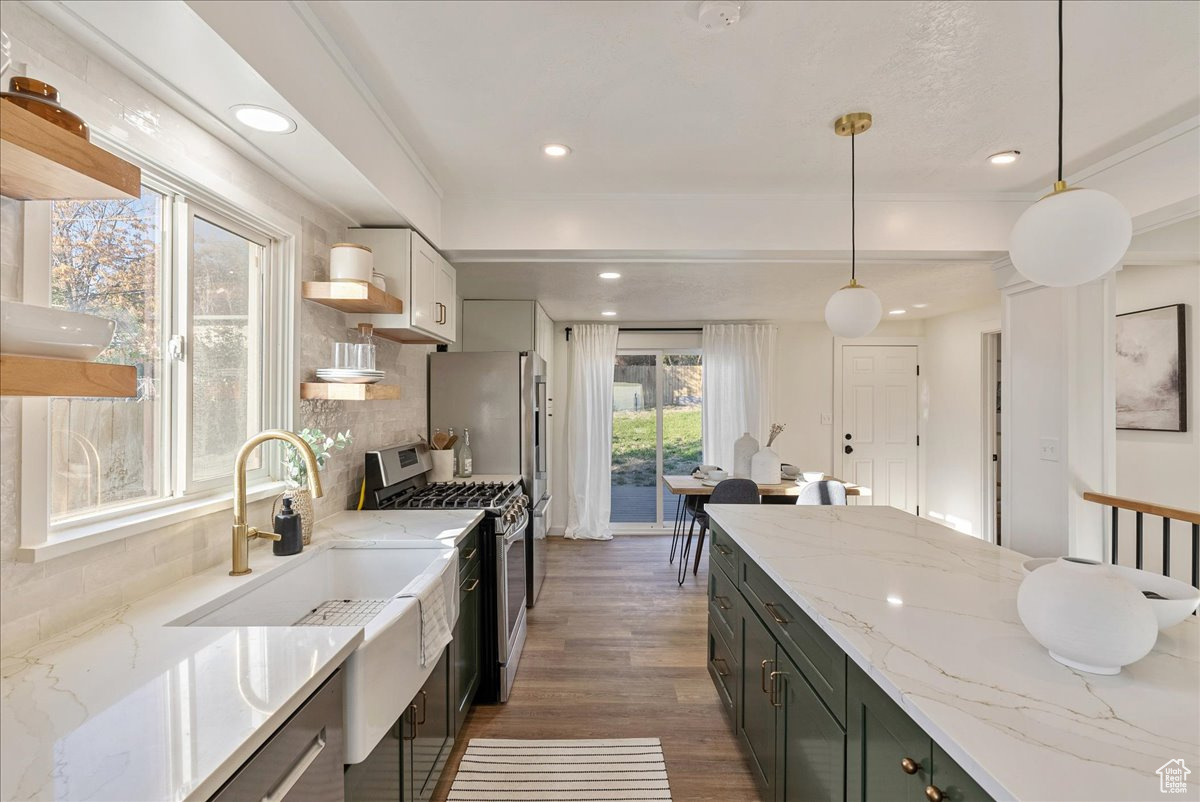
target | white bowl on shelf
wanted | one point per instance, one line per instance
(1179, 598)
(30, 330)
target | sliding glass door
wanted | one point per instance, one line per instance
(657, 397)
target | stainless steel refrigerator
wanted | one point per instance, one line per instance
(501, 397)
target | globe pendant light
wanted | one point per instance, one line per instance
(1072, 235)
(853, 311)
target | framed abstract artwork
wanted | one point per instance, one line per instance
(1151, 369)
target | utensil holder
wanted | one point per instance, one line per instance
(443, 465)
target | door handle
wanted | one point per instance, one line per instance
(771, 696)
(424, 706)
(849, 449)
(763, 675)
(474, 584)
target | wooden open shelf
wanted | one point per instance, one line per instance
(407, 337)
(359, 297)
(39, 376)
(333, 391)
(40, 161)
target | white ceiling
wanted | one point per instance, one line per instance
(730, 290)
(652, 103)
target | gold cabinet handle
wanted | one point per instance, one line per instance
(721, 660)
(778, 618)
(474, 584)
(933, 793)
(909, 766)
(723, 602)
(723, 549)
(285, 784)
(775, 674)
(424, 705)
(763, 675)
(470, 555)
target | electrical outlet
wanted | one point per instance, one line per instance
(826, 418)
(1049, 449)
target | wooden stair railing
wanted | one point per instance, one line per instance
(1168, 514)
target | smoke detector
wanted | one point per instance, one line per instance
(717, 15)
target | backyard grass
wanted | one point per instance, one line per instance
(633, 447)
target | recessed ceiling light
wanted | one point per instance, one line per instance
(610, 275)
(609, 314)
(897, 312)
(895, 600)
(1005, 157)
(260, 118)
(555, 150)
(919, 306)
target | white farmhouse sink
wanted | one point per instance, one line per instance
(384, 673)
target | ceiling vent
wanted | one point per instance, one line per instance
(717, 15)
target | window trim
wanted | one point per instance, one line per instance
(280, 402)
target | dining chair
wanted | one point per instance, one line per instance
(684, 506)
(826, 492)
(729, 491)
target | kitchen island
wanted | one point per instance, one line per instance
(920, 681)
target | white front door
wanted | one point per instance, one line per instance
(878, 441)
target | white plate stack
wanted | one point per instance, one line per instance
(349, 375)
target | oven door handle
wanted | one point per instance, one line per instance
(517, 530)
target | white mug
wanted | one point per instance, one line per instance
(717, 476)
(350, 262)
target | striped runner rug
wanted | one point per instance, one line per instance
(602, 770)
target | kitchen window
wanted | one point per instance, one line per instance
(201, 295)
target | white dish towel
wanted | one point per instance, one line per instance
(436, 592)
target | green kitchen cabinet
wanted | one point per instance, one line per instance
(466, 644)
(756, 714)
(889, 758)
(811, 742)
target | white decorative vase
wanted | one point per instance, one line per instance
(1088, 617)
(765, 468)
(443, 465)
(744, 449)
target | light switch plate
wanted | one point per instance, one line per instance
(826, 418)
(1049, 449)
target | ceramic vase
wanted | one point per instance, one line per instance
(744, 449)
(302, 504)
(1086, 615)
(765, 468)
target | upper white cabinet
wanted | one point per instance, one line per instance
(418, 275)
(507, 326)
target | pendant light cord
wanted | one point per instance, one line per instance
(853, 221)
(1060, 90)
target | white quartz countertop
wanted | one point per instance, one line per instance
(954, 655)
(126, 707)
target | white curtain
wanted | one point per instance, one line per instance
(739, 366)
(589, 431)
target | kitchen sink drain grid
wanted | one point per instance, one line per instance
(343, 613)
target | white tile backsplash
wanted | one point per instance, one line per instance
(42, 599)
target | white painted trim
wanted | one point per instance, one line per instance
(922, 393)
(97, 533)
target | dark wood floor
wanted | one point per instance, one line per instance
(616, 649)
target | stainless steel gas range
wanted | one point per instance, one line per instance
(396, 479)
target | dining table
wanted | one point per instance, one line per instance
(682, 485)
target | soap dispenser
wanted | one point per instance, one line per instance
(287, 526)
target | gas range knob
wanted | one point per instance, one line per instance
(523, 500)
(510, 517)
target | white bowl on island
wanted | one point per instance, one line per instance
(1088, 616)
(1179, 599)
(31, 330)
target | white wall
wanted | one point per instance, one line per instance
(803, 391)
(1162, 467)
(952, 373)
